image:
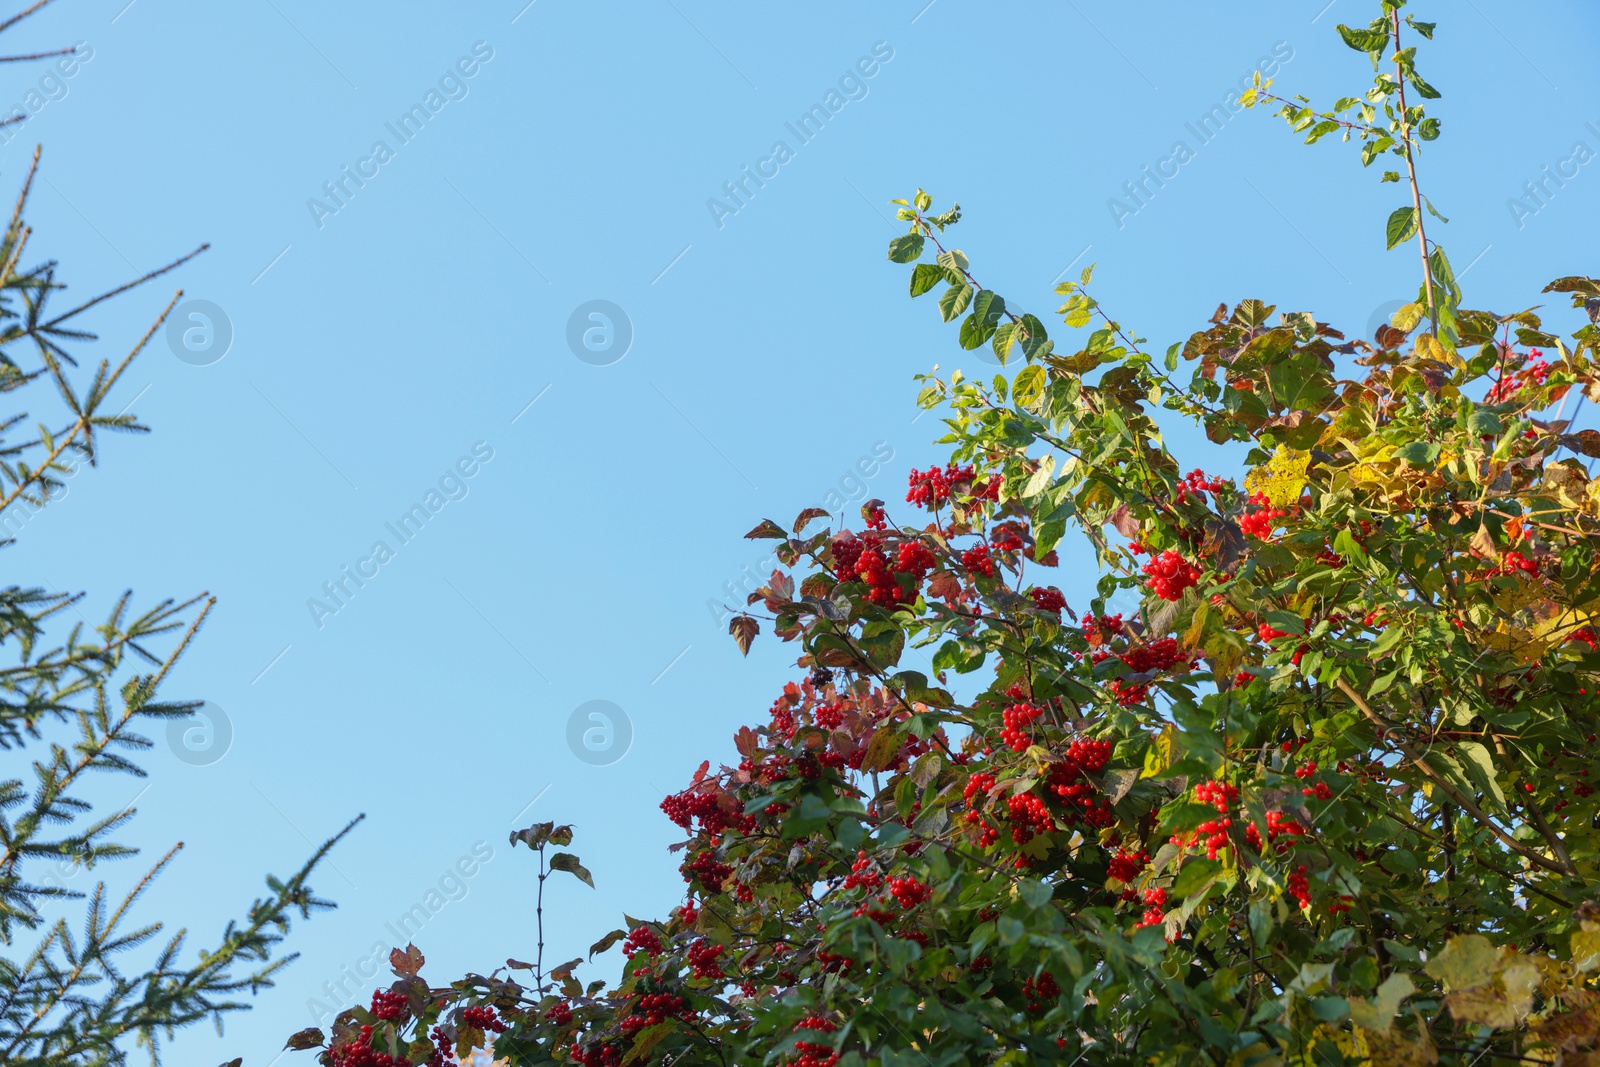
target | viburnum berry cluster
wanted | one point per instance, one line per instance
(1170, 574)
(1260, 517)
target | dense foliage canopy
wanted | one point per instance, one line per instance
(1324, 796)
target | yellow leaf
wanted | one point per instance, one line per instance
(1428, 347)
(1398, 1049)
(1405, 320)
(1282, 477)
(1465, 962)
(1378, 1013)
(1163, 753)
(1486, 1005)
(1586, 947)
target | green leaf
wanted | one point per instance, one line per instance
(1420, 454)
(1372, 40)
(988, 307)
(566, 861)
(925, 276)
(1004, 335)
(1402, 225)
(1028, 386)
(974, 332)
(906, 248)
(954, 300)
(1195, 876)
(1480, 768)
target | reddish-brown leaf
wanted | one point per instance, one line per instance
(768, 528)
(744, 630)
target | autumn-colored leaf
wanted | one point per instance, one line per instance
(768, 529)
(310, 1037)
(744, 630)
(406, 962)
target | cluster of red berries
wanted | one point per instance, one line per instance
(1259, 523)
(599, 1054)
(1278, 825)
(1016, 720)
(1040, 993)
(484, 1018)
(1067, 782)
(1267, 633)
(1300, 887)
(1196, 483)
(1049, 600)
(560, 1013)
(1587, 636)
(642, 938)
(703, 959)
(1170, 574)
(1513, 561)
(1099, 630)
(813, 1054)
(978, 784)
(1157, 656)
(977, 560)
(711, 872)
(390, 1007)
(863, 874)
(931, 487)
(829, 716)
(1029, 816)
(863, 558)
(1090, 753)
(1213, 831)
(653, 1009)
(1533, 372)
(1155, 900)
(1009, 537)
(359, 1052)
(974, 793)
(1320, 791)
(683, 808)
(908, 892)
(1125, 866)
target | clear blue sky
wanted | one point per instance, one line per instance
(772, 351)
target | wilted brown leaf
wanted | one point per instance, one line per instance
(744, 630)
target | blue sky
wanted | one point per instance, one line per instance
(587, 510)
